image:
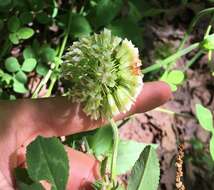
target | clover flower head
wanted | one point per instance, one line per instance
(103, 73)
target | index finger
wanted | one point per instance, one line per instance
(60, 117)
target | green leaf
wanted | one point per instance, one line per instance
(48, 54)
(126, 28)
(197, 144)
(208, 43)
(29, 65)
(43, 18)
(34, 186)
(21, 175)
(41, 69)
(19, 87)
(37, 4)
(105, 12)
(205, 117)
(12, 64)
(139, 4)
(26, 17)
(212, 146)
(21, 77)
(128, 153)
(24, 182)
(134, 13)
(47, 160)
(28, 53)
(175, 77)
(4, 3)
(121, 188)
(173, 87)
(25, 33)
(13, 24)
(101, 141)
(80, 26)
(5, 77)
(146, 171)
(14, 38)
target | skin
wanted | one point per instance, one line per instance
(23, 120)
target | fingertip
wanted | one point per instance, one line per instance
(164, 91)
(153, 94)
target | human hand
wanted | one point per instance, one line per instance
(23, 120)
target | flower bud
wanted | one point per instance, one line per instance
(103, 74)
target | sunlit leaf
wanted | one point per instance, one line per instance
(145, 174)
(126, 161)
(25, 33)
(29, 64)
(21, 77)
(19, 87)
(12, 64)
(47, 160)
(205, 117)
(175, 77)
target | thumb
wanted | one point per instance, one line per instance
(83, 169)
(4, 184)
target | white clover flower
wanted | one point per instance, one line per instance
(103, 73)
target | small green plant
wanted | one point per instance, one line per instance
(173, 78)
(205, 119)
(18, 33)
(18, 72)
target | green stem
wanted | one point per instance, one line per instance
(55, 9)
(42, 83)
(193, 23)
(87, 147)
(193, 60)
(170, 112)
(115, 149)
(171, 58)
(54, 79)
(205, 36)
(57, 64)
(199, 53)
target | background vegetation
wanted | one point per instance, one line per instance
(35, 33)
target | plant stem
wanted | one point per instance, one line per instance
(171, 58)
(170, 112)
(198, 54)
(193, 23)
(206, 35)
(192, 60)
(57, 64)
(42, 83)
(55, 9)
(115, 149)
(54, 79)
